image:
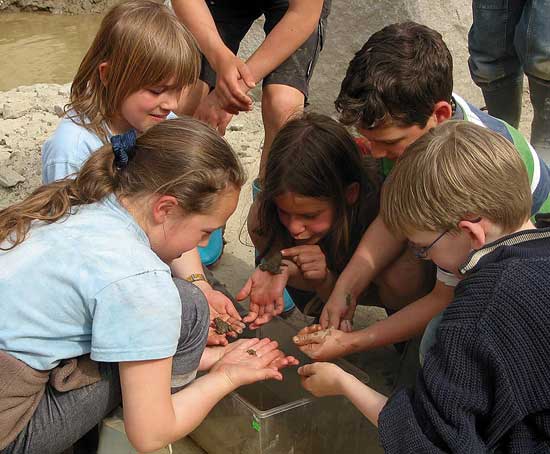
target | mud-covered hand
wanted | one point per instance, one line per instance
(322, 379)
(211, 112)
(322, 344)
(339, 311)
(310, 259)
(233, 80)
(265, 291)
(249, 360)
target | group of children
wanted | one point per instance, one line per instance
(428, 212)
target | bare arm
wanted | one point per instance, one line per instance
(291, 32)
(152, 416)
(405, 323)
(376, 250)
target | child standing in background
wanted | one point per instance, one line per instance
(96, 250)
(132, 77)
(319, 196)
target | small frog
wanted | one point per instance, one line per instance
(251, 352)
(272, 264)
(221, 326)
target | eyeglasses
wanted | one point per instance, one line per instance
(422, 252)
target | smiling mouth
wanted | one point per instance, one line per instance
(159, 117)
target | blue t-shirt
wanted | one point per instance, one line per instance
(64, 153)
(89, 283)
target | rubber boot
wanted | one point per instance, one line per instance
(540, 127)
(504, 102)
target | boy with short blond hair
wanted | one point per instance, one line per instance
(397, 88)
(461, 195)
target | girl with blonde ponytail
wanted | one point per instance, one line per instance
(84, 271)
(132, 77)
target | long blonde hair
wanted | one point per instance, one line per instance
(456, 171)
(145, 45)
(183, 158)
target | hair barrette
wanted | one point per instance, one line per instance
(123, 147)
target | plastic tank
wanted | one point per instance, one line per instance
(281, 417)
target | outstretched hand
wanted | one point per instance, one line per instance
(265, 291)
(322, 379)
(221, 306)
(322, 344)
(249, 360)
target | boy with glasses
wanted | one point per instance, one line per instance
(461, 194)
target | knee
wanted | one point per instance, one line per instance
(281, 104)
(193, 302)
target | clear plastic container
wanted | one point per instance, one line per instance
(281, 417)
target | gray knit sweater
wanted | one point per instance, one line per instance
(485, 384)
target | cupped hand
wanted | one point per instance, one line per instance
(210, 112)
(322, 344)
(310, 259)
(265, 291)
(221, 306)
(322, 379)
(249, 360)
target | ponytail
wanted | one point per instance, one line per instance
(51, 202)
(184, 158)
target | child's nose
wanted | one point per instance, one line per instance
(295, 227)
(170, 101)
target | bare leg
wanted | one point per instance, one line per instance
(279, 104)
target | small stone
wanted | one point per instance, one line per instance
(13, 110)
(245, 147)
(9, 178)
(236, 127)
(4, 155)
(58, 110)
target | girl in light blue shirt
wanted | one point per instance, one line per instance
(132, 78)
(83, 270)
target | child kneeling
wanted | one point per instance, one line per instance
(461, 196)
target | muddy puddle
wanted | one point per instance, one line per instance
(43, 48)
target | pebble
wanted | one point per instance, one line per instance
(9, 178)
(236, 127)
(58, 110)
(4, 155)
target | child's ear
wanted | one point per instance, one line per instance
(443, 111)
(163, 207)
(475, 231)
(103, 69)
(352, 193)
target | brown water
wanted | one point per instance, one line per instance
(42, 48)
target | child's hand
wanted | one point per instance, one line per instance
(310, 259)
(266, 296)
(322, 344)
(339, 311)
(249, 360)
(233, 80)
(211, 112)
(322, 379)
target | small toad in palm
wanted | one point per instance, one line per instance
(221, 326)
(272, 264)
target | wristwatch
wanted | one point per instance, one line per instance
(196, 277)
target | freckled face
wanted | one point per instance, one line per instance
(307, 219)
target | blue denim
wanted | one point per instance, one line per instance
(507, 39)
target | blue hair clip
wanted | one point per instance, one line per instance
(123, 147)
